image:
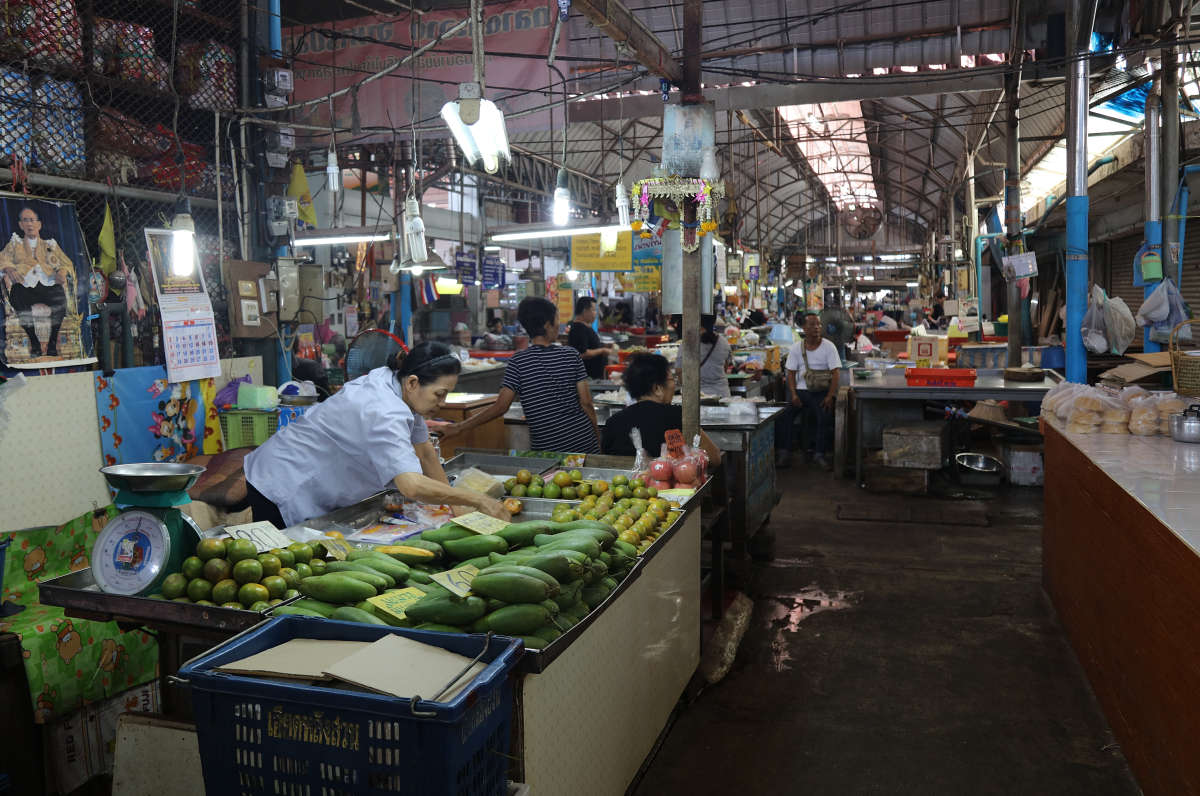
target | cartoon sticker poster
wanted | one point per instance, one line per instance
(145, 418)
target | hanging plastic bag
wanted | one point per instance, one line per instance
(1118, 321)
(1156, 306)
(1095, 338)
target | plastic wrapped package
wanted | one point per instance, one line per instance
(207, 75)
(1132, 391)
(1143, 416)
(46, 32)
(107, 35)
(16, 116)
(1170, 404)
(117, 132)
(58, 143)
(1095, 335)
(1114, 417)
(1066, 400)
(1054, 397)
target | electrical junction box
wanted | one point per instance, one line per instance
(283, 138)
(278, 81)
(247, 282)
(289, 289)
(277, 160)
(280, 211)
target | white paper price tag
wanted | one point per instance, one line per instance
(264, 535)
(458, 580)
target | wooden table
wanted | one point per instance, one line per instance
(1121, 563)
(458, 407)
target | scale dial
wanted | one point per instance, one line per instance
(131, 552)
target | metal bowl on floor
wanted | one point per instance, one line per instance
(979, 468)
(152, 476)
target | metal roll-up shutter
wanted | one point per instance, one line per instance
(1120, 270)
(1190, 283)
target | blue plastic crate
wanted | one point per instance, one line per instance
(260, 736)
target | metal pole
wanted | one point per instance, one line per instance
(973, 222)
(1012, 202)
(1079, 29)
(1153, 161)
(693, 11)
(1170, 154)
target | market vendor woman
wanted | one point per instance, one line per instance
(369, 436)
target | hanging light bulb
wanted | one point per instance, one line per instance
(708, 165)
(622, 204)
(478, 127)
(183, 239)
(414, 231)
(417, 270)
(572, 274)
(562, 201)
(333, 174)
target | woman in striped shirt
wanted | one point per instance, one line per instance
(552, 384)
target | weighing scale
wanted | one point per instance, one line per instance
(149, 539)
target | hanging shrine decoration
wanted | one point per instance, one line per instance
(678, 190)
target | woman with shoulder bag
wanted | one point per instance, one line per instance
(812, 367)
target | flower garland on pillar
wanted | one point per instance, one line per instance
(678, 190)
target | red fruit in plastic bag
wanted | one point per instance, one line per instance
(686, 471)
(661, 470)
(661, 485)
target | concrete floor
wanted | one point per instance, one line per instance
(944, 673)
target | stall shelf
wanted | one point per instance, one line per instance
(748, 441)
(887, 399)
(1121, 564)
(591, 705)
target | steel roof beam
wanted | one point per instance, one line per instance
(617, 22)
(772, 95)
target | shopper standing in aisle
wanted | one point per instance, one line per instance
(812, 367)
(583, 338)
(552, 384)
(714, 356)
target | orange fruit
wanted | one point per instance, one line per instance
(240, 549)
(250, 593)
(210, 548)
(248, 570)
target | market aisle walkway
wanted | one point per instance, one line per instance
(945, 674)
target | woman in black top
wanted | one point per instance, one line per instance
(651, 383)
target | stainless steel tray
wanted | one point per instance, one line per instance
(77, 591)
(498, 464)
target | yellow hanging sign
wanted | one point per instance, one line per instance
(586, 254)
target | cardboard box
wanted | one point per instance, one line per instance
(920, 446)
(928, 351)
(1023, 465)
(81, 745)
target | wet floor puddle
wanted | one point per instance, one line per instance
(789, 610)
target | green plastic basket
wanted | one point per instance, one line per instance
(248, 428)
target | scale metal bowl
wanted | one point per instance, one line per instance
(152, 476)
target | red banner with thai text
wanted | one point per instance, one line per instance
(336, 55)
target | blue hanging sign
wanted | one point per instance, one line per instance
(493, 272)
(464, 266)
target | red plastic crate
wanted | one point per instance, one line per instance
(940, 377)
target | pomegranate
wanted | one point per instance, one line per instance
(685, 471)
(661, 470)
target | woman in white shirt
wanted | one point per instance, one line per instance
(369, 436)
(714, 356)
(812, 367)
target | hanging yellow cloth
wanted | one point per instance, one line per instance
(108, 243)
(298, 190)
(212, 422)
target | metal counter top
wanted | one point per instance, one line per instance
(989, 385)
(712, 418)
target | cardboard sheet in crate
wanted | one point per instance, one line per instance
(918, 446)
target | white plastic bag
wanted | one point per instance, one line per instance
(1118, 321)
(1095, 338)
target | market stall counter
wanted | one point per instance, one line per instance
(745, 433)
(886, 398)
(483, 378)
(591, 703)
(1121, 564)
